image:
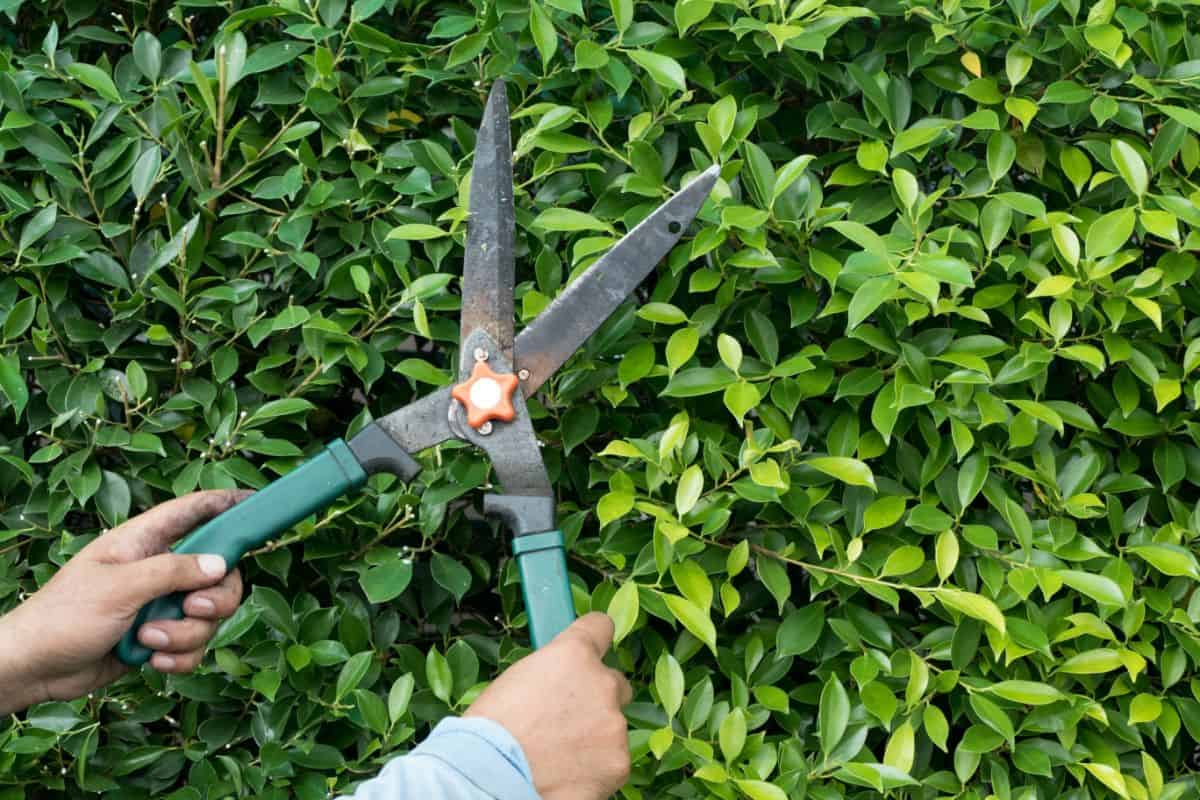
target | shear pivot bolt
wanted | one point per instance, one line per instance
(523, 374)
(481, 354)
(485, 429)
(486, 395)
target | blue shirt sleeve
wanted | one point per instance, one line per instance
(463, 759)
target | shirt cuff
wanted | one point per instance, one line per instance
(484, 753)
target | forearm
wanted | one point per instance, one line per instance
(463, 759)
(19, 688)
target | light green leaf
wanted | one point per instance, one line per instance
(847, 470)
(693, 618)
(665, 70)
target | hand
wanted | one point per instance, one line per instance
(58, 644)
(563, 706)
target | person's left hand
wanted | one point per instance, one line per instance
(57, 645)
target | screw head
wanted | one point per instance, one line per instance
(485, 429)
(481, 354)
(523, 374)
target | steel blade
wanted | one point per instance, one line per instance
(573, 316)
(421, 424)
(487, 288)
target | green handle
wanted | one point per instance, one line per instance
(312, 486)
(542, 562)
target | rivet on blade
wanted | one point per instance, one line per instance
(481, 354)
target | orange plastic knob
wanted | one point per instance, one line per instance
(486, 395)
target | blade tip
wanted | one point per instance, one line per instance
(498, 92)
(708, 178)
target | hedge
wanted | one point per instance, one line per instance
(888, 477)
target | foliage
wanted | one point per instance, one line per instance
(889, 479)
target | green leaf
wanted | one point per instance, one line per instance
(37, 227)
(800, 630)
(973, 605)
(568, 219)
(12, 383)
(731, 736)
(352, 674)
(946, 269)
(833, 714)
(902, 561)
(691, 484)
(96, 79)
(760, 790)
(668, 682)
(665, 70)
(698, 381)
(1101, 589)
(883, 513)
(1091, 662)
(693, 618)
(1131, 166)
(451, 575)
(691, 12)
(1030, 693)
(663, 313)
(1108, 233)
(624, 610)
(1168, 559)
(868, 297)
(847, 470)
(416, 232)
(386, 581)
(439, 675)
(545, 38)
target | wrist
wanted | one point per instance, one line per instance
(20, 686)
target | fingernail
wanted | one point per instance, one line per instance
(162, 661)
(212, 566)
(202, 605)
(154, 638)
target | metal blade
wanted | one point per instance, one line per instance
(574, 315)
(421, 424)
(487, 289)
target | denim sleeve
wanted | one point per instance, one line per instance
(463, 759)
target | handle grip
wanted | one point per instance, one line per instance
(312, 486)
(542, 561)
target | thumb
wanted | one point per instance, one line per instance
(595, 629)
(160, 575)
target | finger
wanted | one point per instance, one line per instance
(177, 635)
(176, 663)
(596, 629)
(218, 602)
(155, 530)
(624, 690)
(144, 580)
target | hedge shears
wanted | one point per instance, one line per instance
(484, 408)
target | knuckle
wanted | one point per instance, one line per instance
(619, 767)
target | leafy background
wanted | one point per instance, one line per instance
(889, 478)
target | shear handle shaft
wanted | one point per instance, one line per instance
(305, 490)
(542, 562)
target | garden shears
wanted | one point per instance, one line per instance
(484, 408)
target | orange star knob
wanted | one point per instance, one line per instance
(486, 395)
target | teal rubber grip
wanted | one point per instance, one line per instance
(312, 486)
(542, 561)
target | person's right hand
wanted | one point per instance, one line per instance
(563, 706)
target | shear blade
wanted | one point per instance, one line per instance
(488, 269)
(573, 316)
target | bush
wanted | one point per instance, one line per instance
(889, 478)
